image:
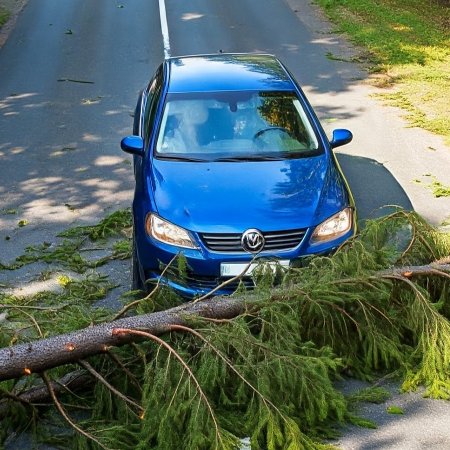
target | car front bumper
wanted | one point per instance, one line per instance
(196, 272)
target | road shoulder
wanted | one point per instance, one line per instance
(14, 7)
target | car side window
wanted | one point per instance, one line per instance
(151, 105)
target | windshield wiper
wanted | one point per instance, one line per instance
(249, 158)
(181, 158)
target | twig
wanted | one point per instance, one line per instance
(130, 374)
(15, 397)
(148, 296)
(226, 282)
(39, 394)
(210, 319)
(102, 380)
(413, 287)
(62, 411)
(34, 323)
(411, 242)
(76, 81)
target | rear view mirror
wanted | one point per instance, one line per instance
(341, 137)
(133, 145)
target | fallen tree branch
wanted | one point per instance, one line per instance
(44, 354)
(38, 394)
(416, 271)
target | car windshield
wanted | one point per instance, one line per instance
(235, 126)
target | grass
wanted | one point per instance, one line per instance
(4, 16)
(407, 42)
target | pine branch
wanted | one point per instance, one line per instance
(228, 363)
(63, 412)
(38, 394)
(226, 283)
(43, 354)
(148, 296)
(183, 363)
(130, 375)
(102, 380)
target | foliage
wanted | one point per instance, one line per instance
(68, 253)
(50, 313)
(270, 373)
(439, 189)
(394, 410)
(372, 394)
(409, 42)
(112, 225)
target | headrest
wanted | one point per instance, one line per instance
(192, 111)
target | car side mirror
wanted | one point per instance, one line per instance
(133, 145)
(341, 137)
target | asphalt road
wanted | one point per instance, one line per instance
(70, 74)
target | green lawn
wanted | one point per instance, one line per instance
(4, 16)
(406, 42)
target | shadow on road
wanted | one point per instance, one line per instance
(376, 191)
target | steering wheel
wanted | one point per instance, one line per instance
(265, 130)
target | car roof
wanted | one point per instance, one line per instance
(227, 72)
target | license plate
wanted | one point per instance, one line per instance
(234, 269)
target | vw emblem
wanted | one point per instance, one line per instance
(252, 241)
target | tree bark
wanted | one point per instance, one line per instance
(43, 354)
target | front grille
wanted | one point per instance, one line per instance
(209, 283)
(274, 241)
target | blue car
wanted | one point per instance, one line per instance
(232, 168)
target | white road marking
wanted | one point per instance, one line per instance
(164, 28)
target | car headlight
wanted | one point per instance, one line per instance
(167, 232)
(334, 227)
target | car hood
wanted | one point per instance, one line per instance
(234, 196)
